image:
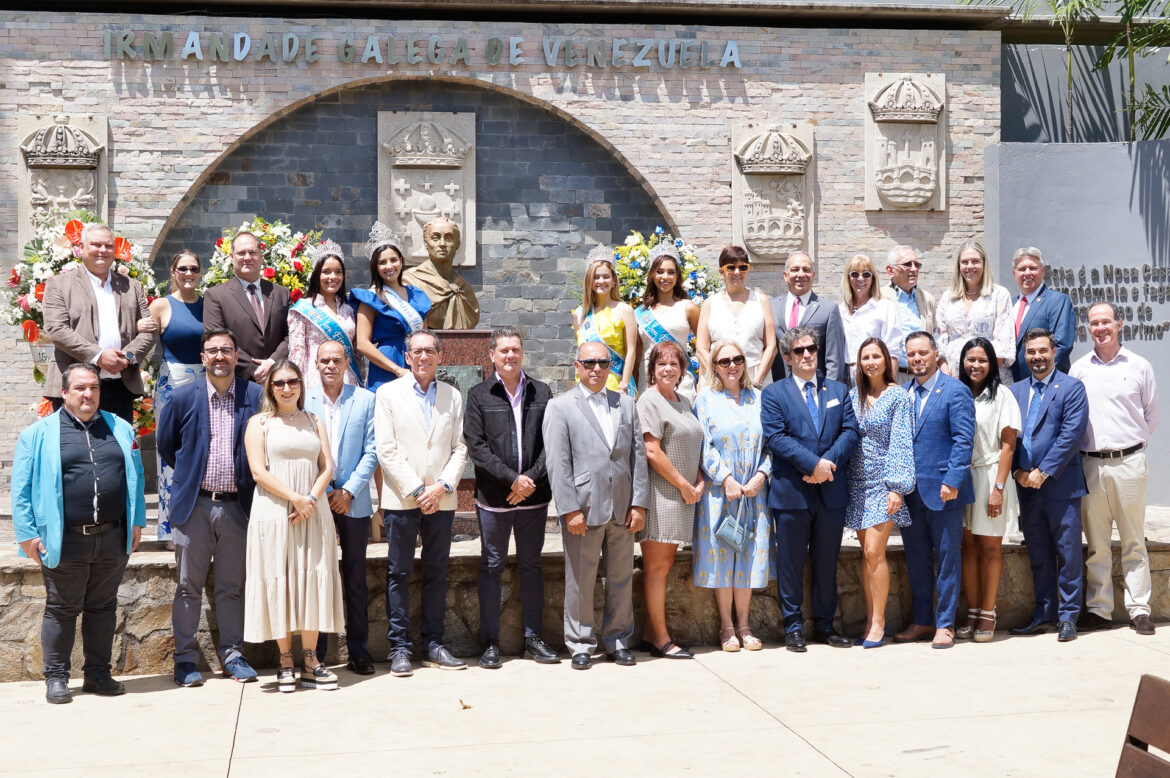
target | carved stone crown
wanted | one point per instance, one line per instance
(905, 100)
(427, 143)
(60, 145)
(773, 152)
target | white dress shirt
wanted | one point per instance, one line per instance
(599, 404)
(878, 318)
(109, 336)
(1123, 400)
(790, 300)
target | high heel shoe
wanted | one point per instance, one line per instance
(750, 641)
(874, 643)
(968, 629)
(986, 635)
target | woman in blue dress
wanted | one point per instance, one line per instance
(881, 474)
(736, 467)
(388, 311)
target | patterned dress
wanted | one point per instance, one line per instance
(884, 462)
(733, 444)
(180, 365)
(305, 337)
(669, 519)
(989, 317)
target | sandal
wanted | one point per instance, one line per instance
(985, 635)
(317, 676)
(286, 677)
(968, 629)
(750, 641)
(728, 639)
(664, 652)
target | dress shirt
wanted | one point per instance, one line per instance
(599, 404)
(109, 336)
(790, 300)
(1123, 400)
(333, 425)
(426, 400)
(259, 294)
(220, 473)
(920, 399)
(911, 318)
(1028, 300)
(517, 402)
(93, 472)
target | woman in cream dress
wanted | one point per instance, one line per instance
(741, 315)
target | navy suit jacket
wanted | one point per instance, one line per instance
(1053, 311)
(944, 436)
(184, 441)
(796, 446)
(1056, 441)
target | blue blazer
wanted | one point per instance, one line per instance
(357, 455)
(184, 440)
(944, 436)
(37, 504)
(1056, 441)
(1053, 311)
(796, 445)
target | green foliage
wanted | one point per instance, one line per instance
(1153, 112)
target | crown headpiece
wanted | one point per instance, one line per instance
(773, 152)
(427, 143)
(664, 249)
(61, 146)
(905, 100)
(600, 253)
(325, 248)
(382, 237)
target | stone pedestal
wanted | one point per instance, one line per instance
(465, 363)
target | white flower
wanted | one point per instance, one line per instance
(631, 240)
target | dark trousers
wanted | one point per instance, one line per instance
(495, 530)
(1052, 532)
(933, 537)
(115, 398)
(354, 534)
(815, 533)
(84, 582)
(402, 529)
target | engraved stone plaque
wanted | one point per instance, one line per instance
(905, 139)
(772, 170)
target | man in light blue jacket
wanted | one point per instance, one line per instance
(78, 510)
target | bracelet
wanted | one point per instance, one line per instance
(314, 499)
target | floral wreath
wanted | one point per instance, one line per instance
(633, 265)
(283, 261)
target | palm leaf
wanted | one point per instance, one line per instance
(1153, 112)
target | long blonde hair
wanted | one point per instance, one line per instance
(859, 262)
(958, 287)
(268, 403)
(712, 378)
(589, 299)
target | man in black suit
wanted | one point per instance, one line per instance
(254, 310)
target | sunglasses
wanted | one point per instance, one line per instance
(802, 350)
(856, 274)
(737, 268)
(593, 364)
(291, 383)
(729, 361)
(909, 265)
(190, 270)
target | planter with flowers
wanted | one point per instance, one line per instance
(284, 261)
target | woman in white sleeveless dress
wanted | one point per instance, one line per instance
(666, 313)
(739, 314)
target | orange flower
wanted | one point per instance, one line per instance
(44, 407)
(122, 249)
(73, 231)
(31, 330)
(39, 292)
(146, 430)
(146, 404)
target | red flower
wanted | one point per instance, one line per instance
(122, 249)
(44, 407)
(14, 279)
(31, 330)
(263, 245)
(219, 243)
(295, 295)
(73, 231)
(297, 249)
(39, 292)
(297, 266)
(150, 299)
(269, 273)
(22, 301)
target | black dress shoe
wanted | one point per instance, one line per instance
(794, 641)
(622, 656)
(361, 665)
(1066, 631)
(490, 658)
(536, 650)
(581, 661)
(1142, 624)
(57, 691)
(104, 686)
(832, 638)
(1033, 627)
(1090, 621)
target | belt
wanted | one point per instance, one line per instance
(219, 496)
(1115, 454)
(94, 529)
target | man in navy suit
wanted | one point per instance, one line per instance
(1038, 307)
(348, 413)
(1047, 468)
(944, 434)
(200, 435)
(811, 432)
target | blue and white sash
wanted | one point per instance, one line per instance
(320, 319)
(617, 364)
(403, 309)
(659, 334)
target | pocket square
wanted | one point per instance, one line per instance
(832, 403)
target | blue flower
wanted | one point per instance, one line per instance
(678, 243)
(617, 257)
(658, 230)
(694, 275)
(635, 264)
(694, 364)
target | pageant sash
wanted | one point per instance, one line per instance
(616, 363)
(320, 319)
(659, 334)
(404, 309)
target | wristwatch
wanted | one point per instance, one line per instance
(999, 486)
(1044, 475)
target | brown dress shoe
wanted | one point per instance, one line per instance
(1142, 624)
(914, 632)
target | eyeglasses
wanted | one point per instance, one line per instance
(593, 364)
(729, 361)
(909, 265)
(291, 383)
(212, 351)
(418, 352)
(856, 274)
(247, 253)
(802, 350)
(737, 268)
(188, 270)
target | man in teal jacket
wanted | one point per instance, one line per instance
(78, 509)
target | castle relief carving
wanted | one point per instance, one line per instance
(64, 168)
(772, 189)
(904, 142)
(426, 168)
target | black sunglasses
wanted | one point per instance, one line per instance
(729, 361)
(802, 350)
(592, 364)
(290, 382)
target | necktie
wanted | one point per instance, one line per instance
(921, 404)
(1030, 425)
(254, 296)
(1020, 314)
(810, 399)
(794, 317)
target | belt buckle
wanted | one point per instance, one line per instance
(85, 529)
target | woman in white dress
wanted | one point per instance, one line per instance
(323, 314)
(865, 314)
(974, 305)
(741, 315)
(666, 315)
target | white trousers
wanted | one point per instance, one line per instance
(1117, 495)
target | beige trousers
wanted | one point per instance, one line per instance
(1117, 495)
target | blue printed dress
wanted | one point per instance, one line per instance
(733, 444)
(884, 462)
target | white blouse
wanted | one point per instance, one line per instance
(878, 318)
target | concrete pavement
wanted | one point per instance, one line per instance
(1013, 707)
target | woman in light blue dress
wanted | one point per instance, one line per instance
(881, 474)
(736, 467)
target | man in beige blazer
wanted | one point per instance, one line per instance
(915, 304)
(418, 428)
(92, 312)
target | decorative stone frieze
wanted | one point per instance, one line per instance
(905, 142)
(64, 167)
(772, 189)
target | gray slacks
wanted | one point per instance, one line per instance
(582, 554)
(214, 531)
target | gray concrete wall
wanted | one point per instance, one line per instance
(1093, 208)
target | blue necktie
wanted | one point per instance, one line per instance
(1030, 425)
(919, 407)
(810, 399)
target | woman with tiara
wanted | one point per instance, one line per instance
(322, 315)
(603, 317)
(389, 310)
(667, 314)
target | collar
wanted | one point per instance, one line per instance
(244, 284)
(76, 422)
(1031, 298)
(1047, 380)
(519, 387)
(589, 393)
(904, 296)
(1122, 355)
(418, 390)
(230, 393)
(107, 284)
(804, 298)
(930, 382)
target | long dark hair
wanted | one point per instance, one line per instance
(315, 278)
(650, 296)
(375, 276)
(992, 383)
(862, 380)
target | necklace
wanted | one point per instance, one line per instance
(972, 295)
(287, 415)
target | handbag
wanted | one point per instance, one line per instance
(733, 530)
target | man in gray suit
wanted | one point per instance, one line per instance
(597, 467)
(802, 306)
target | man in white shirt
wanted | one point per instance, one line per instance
(1123, 413)
(915, 303)
(802, 306)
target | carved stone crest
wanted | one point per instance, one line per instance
(772, 189)
(64, 168)
(426, 168)
(904, 142)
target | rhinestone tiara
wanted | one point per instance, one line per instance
(665, 248)
(382, 237)
(600, 253)
(325, 248)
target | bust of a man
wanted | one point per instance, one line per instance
(453, 303)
